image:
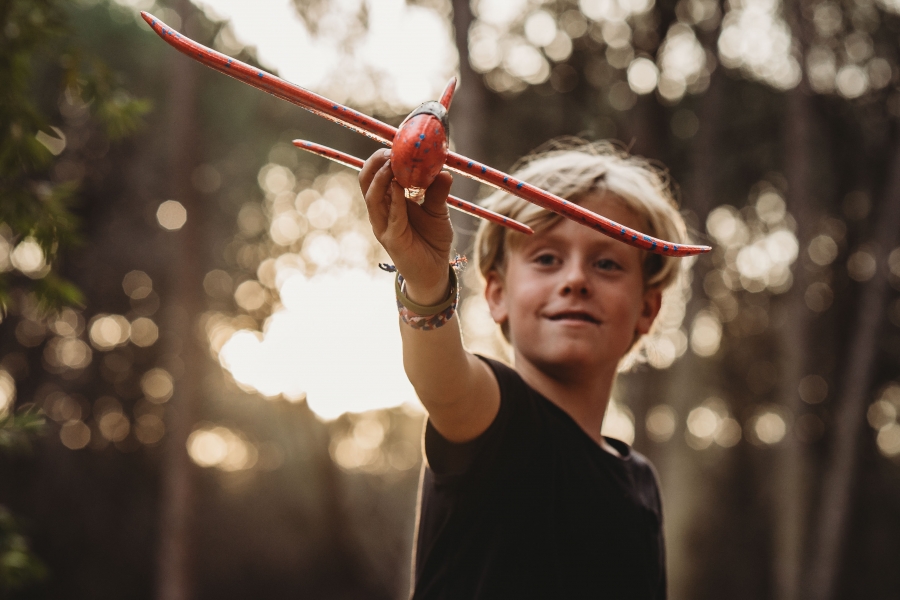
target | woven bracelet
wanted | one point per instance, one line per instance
(427, 318)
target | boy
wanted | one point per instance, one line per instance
(521, 496)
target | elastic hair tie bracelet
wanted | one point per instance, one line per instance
(422, 317)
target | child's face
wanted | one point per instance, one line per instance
(572, 297)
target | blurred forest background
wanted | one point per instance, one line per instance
(171, 269)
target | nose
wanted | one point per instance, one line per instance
(580, 290)
(575, 281)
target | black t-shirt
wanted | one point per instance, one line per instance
(534, 508)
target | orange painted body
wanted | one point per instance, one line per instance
(419, 151)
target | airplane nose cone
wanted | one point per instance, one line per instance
(418, 153)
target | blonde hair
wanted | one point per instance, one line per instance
(571, 168)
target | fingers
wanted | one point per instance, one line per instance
(397, 218)
(371, 167)
(377, 192)
(436, 195)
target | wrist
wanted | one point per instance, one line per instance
(431, 316)
(428, 295)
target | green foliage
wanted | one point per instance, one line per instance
(17, 429)
(18, 566)
(37, 45)
(33, 34)
(117, 111)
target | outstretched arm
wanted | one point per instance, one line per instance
(457, 389)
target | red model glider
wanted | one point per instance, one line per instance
(419, 148)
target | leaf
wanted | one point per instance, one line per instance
(19, 567)
(122, 117)
(18, 428)
(54, 292)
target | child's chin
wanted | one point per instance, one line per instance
(575, 355)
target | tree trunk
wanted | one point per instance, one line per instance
(793, 466)
(185, 303)
(468, 116)
(857, 379)
(705, 160)
(689, 378)
(792, 461)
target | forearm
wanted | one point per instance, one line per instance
(435, 362)
(456, 388)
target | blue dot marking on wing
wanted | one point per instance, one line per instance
(505, 179)
(519, 187)
(653, 247)
(470, 164)
(421, 136)
(228, 65)
(633, 237)
(623, 231)
(153, 24)
(260, 74)
(418, 144)
(647, 239)
(334, 107)
(674, 248)
(483, 168)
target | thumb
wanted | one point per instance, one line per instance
(436, 195)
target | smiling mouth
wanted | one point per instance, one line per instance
(574, 316)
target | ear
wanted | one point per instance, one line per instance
(495, 294)
(650, 305)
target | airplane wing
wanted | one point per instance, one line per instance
(468, 207)
(500, 180)
(384, 133)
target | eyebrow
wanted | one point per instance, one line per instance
(601, 244)
(541, 238)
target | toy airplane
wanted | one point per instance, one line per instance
(419, 148)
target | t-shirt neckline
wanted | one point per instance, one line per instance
(623, 448)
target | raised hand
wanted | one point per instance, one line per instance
(418, 238)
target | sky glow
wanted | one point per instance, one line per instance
(336, 341)
(404, 78)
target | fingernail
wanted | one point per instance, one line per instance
(387, 153)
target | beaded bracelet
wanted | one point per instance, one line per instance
(427, 318)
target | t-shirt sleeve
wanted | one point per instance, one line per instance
(452, 460)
